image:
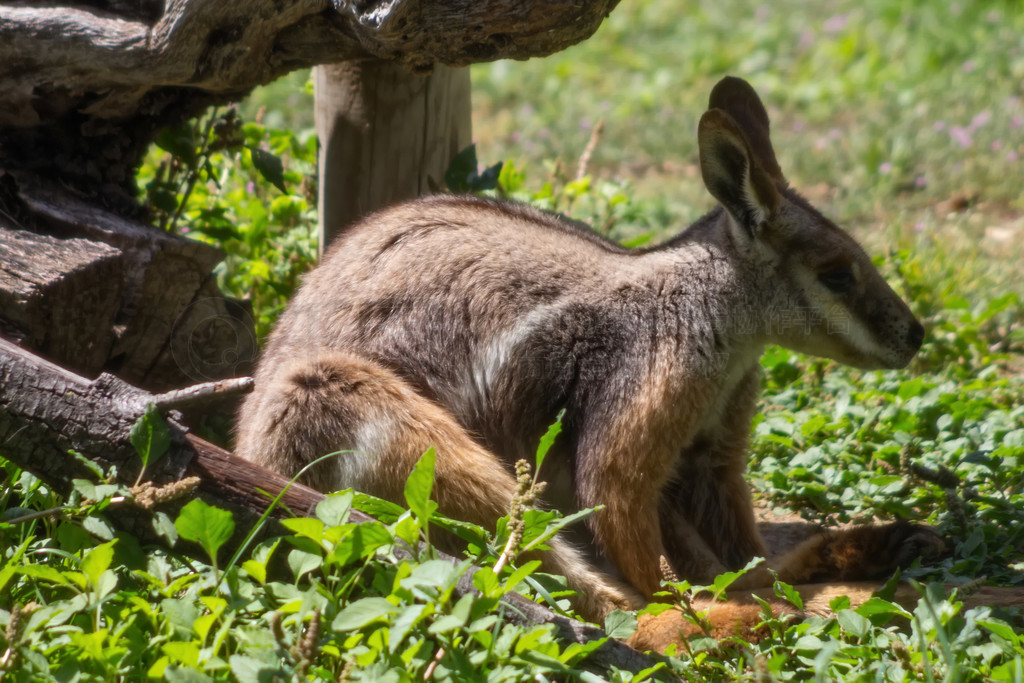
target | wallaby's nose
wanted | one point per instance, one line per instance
(916, 335)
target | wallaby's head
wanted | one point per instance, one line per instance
(823, 295)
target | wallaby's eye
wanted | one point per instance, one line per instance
(839, 280)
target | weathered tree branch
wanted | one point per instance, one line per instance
(46, 411)
(86, 88)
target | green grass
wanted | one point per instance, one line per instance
(904, 121)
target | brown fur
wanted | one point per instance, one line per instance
(467, 324)
(333, 391)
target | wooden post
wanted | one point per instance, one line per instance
(385, 135)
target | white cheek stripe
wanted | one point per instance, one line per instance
(840, 322)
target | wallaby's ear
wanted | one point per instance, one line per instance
(737, 98)
(731, 173)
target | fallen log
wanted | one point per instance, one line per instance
(93, 291)
(62, 296)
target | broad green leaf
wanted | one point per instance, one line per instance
(363, 612)
(853, 623)
(784, 590)
(206, 525)
(404, 622)
(203, 624)
(256, 570)
(577, 651)
(548, 439)
(172, 674)
(464, 607)
(839, 602)
(875, 606)
(485, 623)
(8, 572)
(36, 571)
(37, 660)
(419, 486)
(448, 622)
(520, 574)
(97, 561)
(538, 658)
(486, 582)
(302, 562)
(437, 574)
(808, 643)
(105, 583)
(1001, 629)
(94, 492)
(150, 436)
(181, 613)
(911, 388)
(510, 179)
(383, 510)
(554, 527)
(179, 141)
(184, 652)
(164, 527)
(269, 166)
(723, 581)
(619, 624)
(463, 174)
(73, 538)
(306, 527)
(334, 509)
(248, 669)
(486, 179)
(98, 527)
(360, 542)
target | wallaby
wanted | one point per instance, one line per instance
(467, 324)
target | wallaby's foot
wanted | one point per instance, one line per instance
(875, 552)
(860, 553)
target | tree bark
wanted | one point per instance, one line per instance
(61, 296)
(87, 85)
(95, 291)
(385, 135)
(47, 411)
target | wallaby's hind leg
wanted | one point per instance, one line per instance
(330, 401)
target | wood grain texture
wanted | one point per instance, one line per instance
(386, 135)
(63, 295)
(95, 291)
(85, 90)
